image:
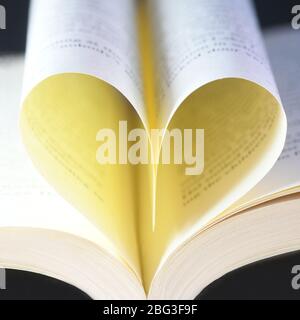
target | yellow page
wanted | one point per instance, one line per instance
(59, 121)
(27, 201)
(284, 178)
(82, 75)
(212, 73)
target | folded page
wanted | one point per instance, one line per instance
(283, 46)
(98, 38)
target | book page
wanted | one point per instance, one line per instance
(98, 38)
(200, 41)
(283, 46)
(59, 122)
(81, 76)
(26, 200)
(213, 74)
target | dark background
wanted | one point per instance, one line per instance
(270, 279)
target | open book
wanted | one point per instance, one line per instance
(141, 231)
